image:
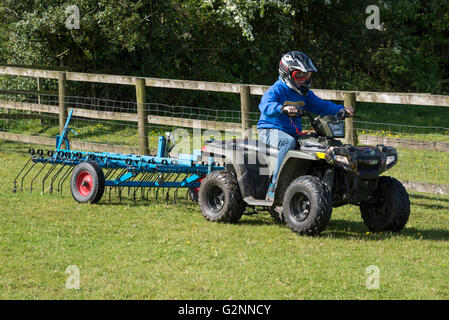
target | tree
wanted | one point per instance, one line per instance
(233, 41)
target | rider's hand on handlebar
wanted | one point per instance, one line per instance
(291, 111)
(349, 110)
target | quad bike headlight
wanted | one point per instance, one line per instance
(391, 159)
(341, 159)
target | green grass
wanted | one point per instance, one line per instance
(429, 123)
(151, 250)
(422, 166)
(159, 251)
(408, 115)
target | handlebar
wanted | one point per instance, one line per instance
(300, 112)
(343, 114)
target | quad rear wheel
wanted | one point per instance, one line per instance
(219, 197)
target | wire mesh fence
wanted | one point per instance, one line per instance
(423, 150)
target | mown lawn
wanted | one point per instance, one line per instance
(154, 250)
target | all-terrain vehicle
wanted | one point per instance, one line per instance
(321, 173)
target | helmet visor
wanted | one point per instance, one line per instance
(301, 76)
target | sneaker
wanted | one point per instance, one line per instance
(270, 193)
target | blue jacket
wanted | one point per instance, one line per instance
(279, 94)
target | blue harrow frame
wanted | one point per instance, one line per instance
(120, 170)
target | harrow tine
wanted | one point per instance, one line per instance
(32, 181)
(175, 193)
(160, 180)
(175, 180)
(167, 177)
(121, 173)
(15, 180)
(144, 175)
(135, 188)
(168, 189)
(64, 178)
(123, 187)
(53, 166)
(153, 179)
(140, 186)
(148, 179)
(132, 179)
(54, 178)
(144, 179)
(108, 173)
(23, 177)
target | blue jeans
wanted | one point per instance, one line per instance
(280, 140)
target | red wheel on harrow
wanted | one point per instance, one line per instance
(87, 183)
(84, 183)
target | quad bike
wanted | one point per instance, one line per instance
(321, 173)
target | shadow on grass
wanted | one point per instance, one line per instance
(433, 197)
(337, 228)
(185, 203)
(261, 221)
(343, 229)
(434, 202)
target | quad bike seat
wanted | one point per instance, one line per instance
(256, 146)
(244, 145)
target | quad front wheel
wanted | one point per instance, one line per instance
(390, 209)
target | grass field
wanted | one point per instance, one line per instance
(154, 250)
(151, 250)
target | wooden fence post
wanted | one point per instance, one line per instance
(351, 133)
(40, 86)
(245, 106)
(62, 105)
(142, 117)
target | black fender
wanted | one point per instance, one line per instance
(295, 164)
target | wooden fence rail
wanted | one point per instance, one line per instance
(339, 95)
(245, 90)
(208, 125)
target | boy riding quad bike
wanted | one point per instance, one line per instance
(321, 173)
(298, 177)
